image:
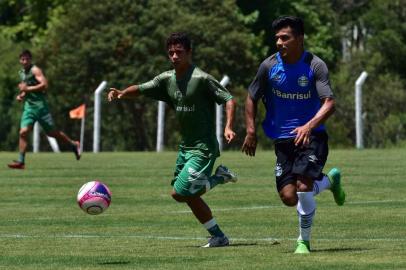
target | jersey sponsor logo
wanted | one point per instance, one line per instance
(294, 96)
(278, 170)
(303, 81)
(185, 108)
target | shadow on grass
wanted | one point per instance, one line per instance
(339, 249)
(244, 244)
(331, 250)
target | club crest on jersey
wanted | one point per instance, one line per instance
(276, 77)
(278, 170)
(178, 95)
(303, 81)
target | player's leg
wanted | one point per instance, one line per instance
(62, 137)
(27, 121)
(285, 180)
(203, 214)
(222, 175)
(308, 165)
(331, 180)
(334, 176)
(306, 209)
(47, 124)
(321, 184)
(22, 145)
(191, 181)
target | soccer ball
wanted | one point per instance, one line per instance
(94, 197)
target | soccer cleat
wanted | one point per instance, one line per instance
(227, 175)
(76, 150)
(302, 247)
(217, 241)
(16, 165)
(334, 175)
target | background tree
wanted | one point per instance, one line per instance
(80, 43)
(128, 48)
(379, 47)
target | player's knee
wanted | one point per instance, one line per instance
(304, 185)
(179, 198)
(24, 133)
(288, 199)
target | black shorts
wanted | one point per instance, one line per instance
(292, 160)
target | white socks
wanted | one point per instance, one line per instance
(210, 224)
(321, 185)
(306, 208)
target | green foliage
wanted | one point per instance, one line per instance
(10, 109)
(319, 18)
(78, 44)
(26, 20)
(129, 49)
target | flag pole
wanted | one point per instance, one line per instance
(80, 113)
(82, 133)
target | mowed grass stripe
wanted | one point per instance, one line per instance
(41, 226)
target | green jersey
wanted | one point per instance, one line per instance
(193, 98)
(32, 99)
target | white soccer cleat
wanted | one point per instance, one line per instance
(227, 175)
(217, 241)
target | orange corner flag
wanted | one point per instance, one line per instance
(78, 113)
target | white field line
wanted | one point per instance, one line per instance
(183, 238)
(282, 206)
(232, 209)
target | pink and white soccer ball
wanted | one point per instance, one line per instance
(94, 197)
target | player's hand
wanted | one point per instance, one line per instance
(22, 86)
(229, 134)
(114, 94)
(20, 97)
(302, 135)
(250, 144)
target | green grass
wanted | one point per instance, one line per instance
(41, 226)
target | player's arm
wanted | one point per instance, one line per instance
(250, 142)
(327, 104)
(229, 134)
(40, 87)
(132, 91)
(303, 133)
(255, 93)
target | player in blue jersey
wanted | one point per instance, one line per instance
(295, 89)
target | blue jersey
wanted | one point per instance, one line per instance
(291, 92)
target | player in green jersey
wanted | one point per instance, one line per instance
(192, 93)
(32, 88)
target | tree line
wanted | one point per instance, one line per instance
(79, 43)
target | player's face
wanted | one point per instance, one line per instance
(25, 61)
(287, 43)
(178, 55)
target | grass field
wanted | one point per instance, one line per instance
(41, 226)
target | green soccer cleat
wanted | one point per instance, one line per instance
(302, 247)
(334, 175)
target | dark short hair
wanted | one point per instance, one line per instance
(295, 23)
(179, 38)
(26, 53)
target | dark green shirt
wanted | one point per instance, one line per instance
(32, 99)
(193, 98)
